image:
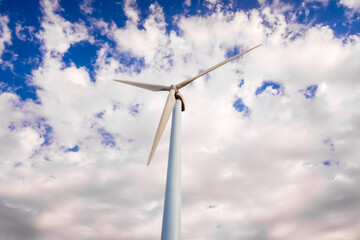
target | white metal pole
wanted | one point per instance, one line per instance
(171, 226)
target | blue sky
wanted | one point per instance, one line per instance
(24, 53)
(273, 133)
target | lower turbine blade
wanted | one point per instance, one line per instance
(169, 106)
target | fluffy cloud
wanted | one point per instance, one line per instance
(58, 34)
(5, 34)
(77, 159)
(86, 6)
(150, 42)
(353, 4)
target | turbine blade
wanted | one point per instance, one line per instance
(148, 86)
(169, 105)
(186, 82)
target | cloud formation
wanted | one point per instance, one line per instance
(5, 34)
(269, 140)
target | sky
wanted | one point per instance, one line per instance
(269, 141)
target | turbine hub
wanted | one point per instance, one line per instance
(174, 87)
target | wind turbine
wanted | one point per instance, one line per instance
(171, 225)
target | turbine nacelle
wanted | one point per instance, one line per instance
(172, 96)
(179, 96)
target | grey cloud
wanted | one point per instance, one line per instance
(17, 224)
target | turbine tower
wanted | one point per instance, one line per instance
(171, 226)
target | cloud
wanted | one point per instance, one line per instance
(17, 223)
(150, 42)
(352, 4)
(24, 33)
(86, 6)
(57, 33)
(76, 160)
(5, 35)
(131, 12)
(324, 2)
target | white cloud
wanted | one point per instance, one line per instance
(57, 33)
(131, 12)
(86, 6)
(324, 2)
(150, 42)
(352, 4)
(18, 32)
(262, 175)
(24, 33)
(18, 139)
(5, 34)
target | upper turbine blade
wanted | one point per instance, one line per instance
(186, 82)
(169, 105)
(152, 87)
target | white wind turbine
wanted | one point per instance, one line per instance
(172, 216)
